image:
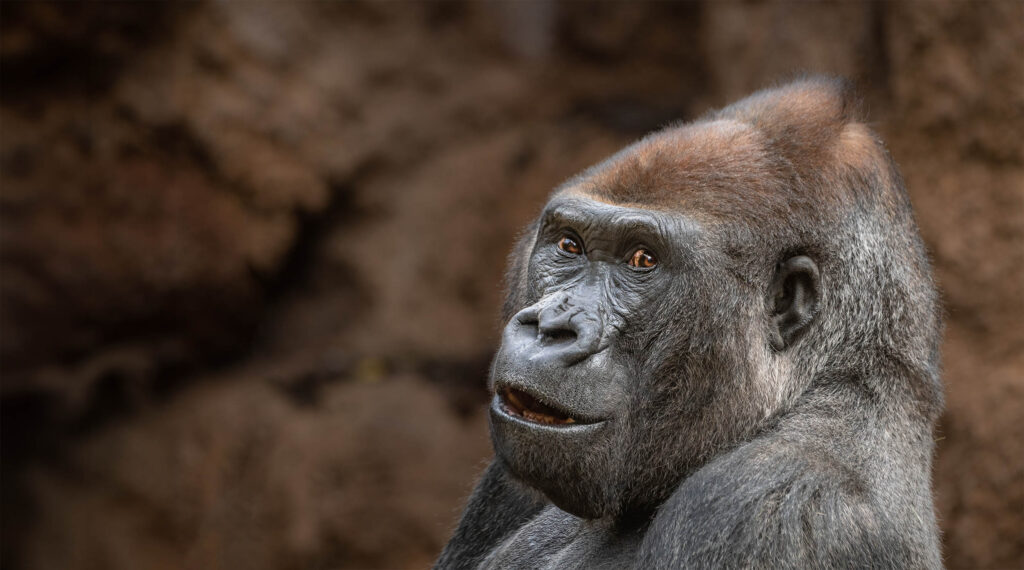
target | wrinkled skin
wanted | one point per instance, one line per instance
(720, 351)
(582, 325)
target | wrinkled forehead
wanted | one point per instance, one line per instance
(675, 166)
(580, 211)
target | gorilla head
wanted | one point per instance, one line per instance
(684, 295)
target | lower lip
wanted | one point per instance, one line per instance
(498, 409)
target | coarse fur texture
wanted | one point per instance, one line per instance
(761, 395)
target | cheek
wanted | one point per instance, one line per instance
(655, 311)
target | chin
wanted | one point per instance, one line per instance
(562, 460)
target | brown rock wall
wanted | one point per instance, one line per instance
(250, 253)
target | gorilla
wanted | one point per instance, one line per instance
(721, 351)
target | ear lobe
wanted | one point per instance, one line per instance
(793, 300)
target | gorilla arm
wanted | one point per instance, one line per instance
(798, 496)
(497, 508)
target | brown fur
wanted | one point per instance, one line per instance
(755, 155)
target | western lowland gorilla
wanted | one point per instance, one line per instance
(721, 351)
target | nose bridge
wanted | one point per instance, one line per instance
(563, 312)
(571, 323)
(586, 295)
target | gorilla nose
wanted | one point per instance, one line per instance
(558, 329)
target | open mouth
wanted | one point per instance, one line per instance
(520, 404)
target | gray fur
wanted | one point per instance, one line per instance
(764, 398)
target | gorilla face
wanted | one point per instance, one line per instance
(608, 292)
(634, 327)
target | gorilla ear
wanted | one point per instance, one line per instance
(793, 300)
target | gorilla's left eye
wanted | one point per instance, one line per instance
(569, 245)
(643, 259)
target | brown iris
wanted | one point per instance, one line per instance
(569, 245)
(643, 259)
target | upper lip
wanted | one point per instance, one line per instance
(532, 408)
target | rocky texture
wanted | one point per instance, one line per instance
(250, 254)
(234, 475)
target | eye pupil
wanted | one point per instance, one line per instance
(643, 259)
(569, 245)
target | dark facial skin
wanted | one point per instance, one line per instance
(617, 307)
(569, 361)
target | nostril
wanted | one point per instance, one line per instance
(528, 319)
(556, 335)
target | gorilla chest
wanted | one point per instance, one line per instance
(556, 539)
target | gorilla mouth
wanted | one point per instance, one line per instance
(522, 405)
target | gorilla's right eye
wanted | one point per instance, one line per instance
(569, 245)
(643, 259)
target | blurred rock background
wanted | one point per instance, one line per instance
(251, 252)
